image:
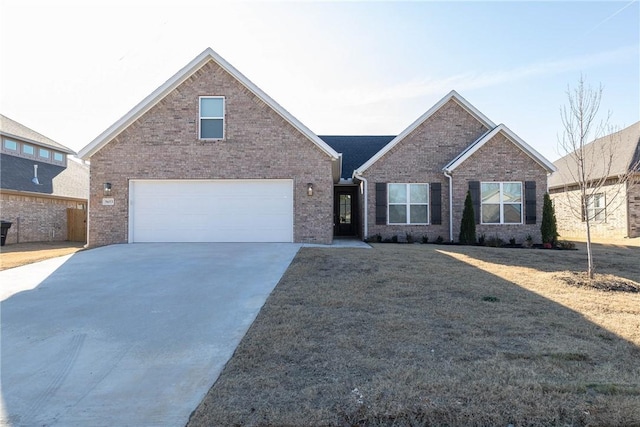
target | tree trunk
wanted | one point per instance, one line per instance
(590, 267)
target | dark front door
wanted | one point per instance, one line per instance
(346, 211)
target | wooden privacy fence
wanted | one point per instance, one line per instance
(77, 225)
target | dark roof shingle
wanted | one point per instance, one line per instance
(625, 146)
(11, 128)
(356, 150)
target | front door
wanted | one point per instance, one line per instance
(346, 211)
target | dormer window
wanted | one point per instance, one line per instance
(27, 149)
(43, 153)
(58, 157)
(211, 117)
(10, 145)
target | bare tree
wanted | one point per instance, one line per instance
(591, 167)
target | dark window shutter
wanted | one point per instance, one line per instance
(436, 203)
(530, 202)
(381, 203)
(474, 189)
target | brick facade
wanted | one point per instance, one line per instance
(36, 218)
(499, 160)
(421, 156)
(163, 144)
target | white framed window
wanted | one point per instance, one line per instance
(596, 207)
(43, 153)
(211, 120)
(58, 157)
(501, 202)
(10, 145)
(28, 149)
(408, 204)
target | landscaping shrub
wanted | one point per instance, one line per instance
(548, 227)
(468, 223)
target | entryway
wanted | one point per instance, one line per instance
(346, 211)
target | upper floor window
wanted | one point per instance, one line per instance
(28, 149)
(501, 202)
(408, 203)
(10, 145)
(211, 117)
(58, 157)
(44, 153)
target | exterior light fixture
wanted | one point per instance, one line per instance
(107, 189)
(309, 189)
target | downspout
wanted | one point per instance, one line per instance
(366, 204)
(446, 173)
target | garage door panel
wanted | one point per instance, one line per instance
(211, 211)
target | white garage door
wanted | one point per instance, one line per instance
(211, 211)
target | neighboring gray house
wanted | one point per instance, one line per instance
(38, 183)
(616, 209)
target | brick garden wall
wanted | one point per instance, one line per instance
(36, 218)
(163, 144)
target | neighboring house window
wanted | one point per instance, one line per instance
(501, 202)
(58, 157)
(596, 207)
(408, 203)
(10, 145)
(211, 117)
(27, 149)
(43, 153)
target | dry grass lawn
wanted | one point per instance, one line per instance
(26, 253)
(427, 335)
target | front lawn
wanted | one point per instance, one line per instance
(437, 335)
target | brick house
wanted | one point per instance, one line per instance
(614, 211)
(210, 157)
(38, 183)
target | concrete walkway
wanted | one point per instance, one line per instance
(127, 335)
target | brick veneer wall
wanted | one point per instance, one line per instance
(36, 218)
(163, 144)
(570, 224)
(499, 160)
(420, 157)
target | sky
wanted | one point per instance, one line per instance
(69, 69)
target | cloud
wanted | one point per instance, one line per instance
(365, 94)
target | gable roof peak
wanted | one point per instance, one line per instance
(181, 76)
(452, 95)
(511, 136)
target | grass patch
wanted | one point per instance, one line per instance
(400, 335)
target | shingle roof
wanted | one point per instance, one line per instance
(356, 150)
(17, 173)
(625, 146)
(11, 128)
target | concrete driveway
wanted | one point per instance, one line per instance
(127, 335)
